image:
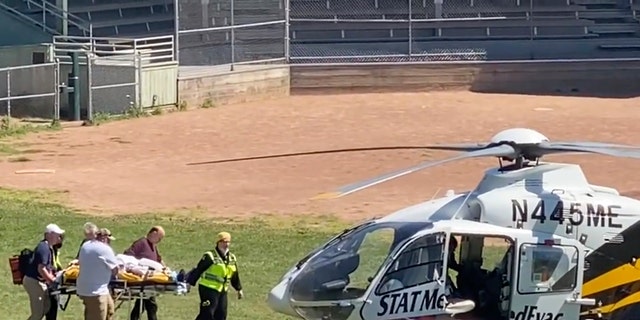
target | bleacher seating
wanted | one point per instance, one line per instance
(110, 18)
(262, 42)
(126, 17)
(340, 23)
(510, 21)
(311, 20)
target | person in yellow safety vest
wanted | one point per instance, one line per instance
(52, 314)
(215, 271)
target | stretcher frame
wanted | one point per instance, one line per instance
(121, 291)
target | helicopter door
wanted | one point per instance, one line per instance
(549, 279)
(412, 284)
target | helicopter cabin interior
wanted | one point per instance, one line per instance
(481, 268)
(469, 273)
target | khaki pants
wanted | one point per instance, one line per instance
(98, 307)
(38, 297)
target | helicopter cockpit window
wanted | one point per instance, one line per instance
(542, 266)
(419, 263)
(343, 268)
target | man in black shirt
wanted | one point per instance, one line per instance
(57, 266)
(40, 273)
(214, 272)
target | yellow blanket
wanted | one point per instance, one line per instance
(70, 274)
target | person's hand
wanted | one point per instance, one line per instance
(240, 294)
(49, 281)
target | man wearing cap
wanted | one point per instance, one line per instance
(214, 272)
(98, 264)
(147, 247)
(40, 272)
(104, 235)
(52, 314)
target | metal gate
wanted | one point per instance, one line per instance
(30, 91)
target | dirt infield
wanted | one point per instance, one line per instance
(140, 165)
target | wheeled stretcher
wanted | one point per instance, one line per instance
(127, 286)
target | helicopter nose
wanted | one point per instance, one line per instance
(278, 300)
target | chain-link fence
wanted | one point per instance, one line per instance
(219, 32)
(336, 31)
(114, 84)
(30, 91)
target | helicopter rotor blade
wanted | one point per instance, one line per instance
(449, 147)
(307, 153)
(497, 151)
(593, 144)
(466, 147)
(625, 152)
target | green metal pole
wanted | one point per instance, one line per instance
(74, 87)
(65, 17)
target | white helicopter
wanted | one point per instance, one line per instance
(536, 240)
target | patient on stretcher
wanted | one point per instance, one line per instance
(134, 271)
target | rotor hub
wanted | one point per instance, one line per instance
(519, 136)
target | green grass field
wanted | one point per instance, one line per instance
(266, 248)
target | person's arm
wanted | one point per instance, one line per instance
(235, 281)
(160, 260)
(135, 249)
(41, 255)
(204, 264)
(108, 257)
(452, 263)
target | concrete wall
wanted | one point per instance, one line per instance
(246, 83)
(592, 78)
(11, 56)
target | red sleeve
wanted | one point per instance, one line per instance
(135, 249)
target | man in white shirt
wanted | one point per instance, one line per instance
(98, 264)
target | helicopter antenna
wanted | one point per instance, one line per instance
(466, 198)
(435, 194)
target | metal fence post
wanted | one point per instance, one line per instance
(56, 96)
(410, 29)
(9, 93)
(44, 15)
(138, 78)
(233, 35)
(287, 40)
(176, 26)
(90, 86)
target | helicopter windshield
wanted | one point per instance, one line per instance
(344, 266)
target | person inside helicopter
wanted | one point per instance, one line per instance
(475, 283)
(452, 263)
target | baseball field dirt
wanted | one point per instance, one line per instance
(141, 165)
(120, 170)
